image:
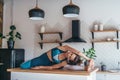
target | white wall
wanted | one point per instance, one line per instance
(105, 11)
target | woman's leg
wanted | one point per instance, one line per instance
(26, 65)
(42, 60)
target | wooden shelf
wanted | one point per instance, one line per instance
(51, 33)
(41, 43)
(101, 41)
(60, 34)
(104, 31)
(51, 42)
(41, 36)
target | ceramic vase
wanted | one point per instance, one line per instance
(10, 44)
(42, 29)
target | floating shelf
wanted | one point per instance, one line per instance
(60, 34)
(41, 43)
(101, 41)
(41, 36)
(104, 31)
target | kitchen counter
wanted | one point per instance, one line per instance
(28, 74)
(108, 72)
(68, 72)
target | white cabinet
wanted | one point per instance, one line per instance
(107, 76)
(100, 76)
(48, 76)
(113, 77)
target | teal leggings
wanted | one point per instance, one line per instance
(42, 60)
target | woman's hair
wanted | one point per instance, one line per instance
(76, 60)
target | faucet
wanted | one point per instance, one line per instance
(119, 65)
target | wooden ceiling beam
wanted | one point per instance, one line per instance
(2, 1)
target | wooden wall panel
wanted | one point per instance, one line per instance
(1, 20)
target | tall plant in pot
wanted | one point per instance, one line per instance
(11, 37)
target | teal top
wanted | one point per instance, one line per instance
(55, 54)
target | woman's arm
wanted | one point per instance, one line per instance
(56, 66)
(91, 65)
(91, 61)
(76, 51)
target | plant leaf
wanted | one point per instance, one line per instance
(12, 27)
(1, 35)
(11, 33)
(18, 35)
(11, 38)
(90, 53)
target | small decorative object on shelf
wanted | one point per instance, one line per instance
(101, 27)
(42, 29)
(115, 39)
(118, 27)
(96, 27)
(108, 39)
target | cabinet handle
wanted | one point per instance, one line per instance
(1, 64)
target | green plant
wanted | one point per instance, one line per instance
(12, 35)
(90, 53)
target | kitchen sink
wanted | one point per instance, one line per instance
(114, 70)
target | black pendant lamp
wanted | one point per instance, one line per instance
(71, 10)
(36, 13)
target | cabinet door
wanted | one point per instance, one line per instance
(19, 56)
(9, 59)
(112, 77)
(100, 76)
(5, 64)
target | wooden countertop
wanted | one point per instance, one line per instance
(108, 72)
(67, 72)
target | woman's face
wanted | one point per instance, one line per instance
(70, 56)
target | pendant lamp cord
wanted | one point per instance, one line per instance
(36, 3)
(70, 2)
(12, 5)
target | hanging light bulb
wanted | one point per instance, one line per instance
(71, 10)
(36, 13)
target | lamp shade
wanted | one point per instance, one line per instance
(71, 10)
(36, 14)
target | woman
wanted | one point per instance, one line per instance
(57, 58)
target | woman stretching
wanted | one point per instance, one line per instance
(57, 58)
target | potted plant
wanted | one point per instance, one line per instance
(11, 37)
(90, 53)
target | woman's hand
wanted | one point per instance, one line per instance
(37, 67)
(42, 67)
(91, 65)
